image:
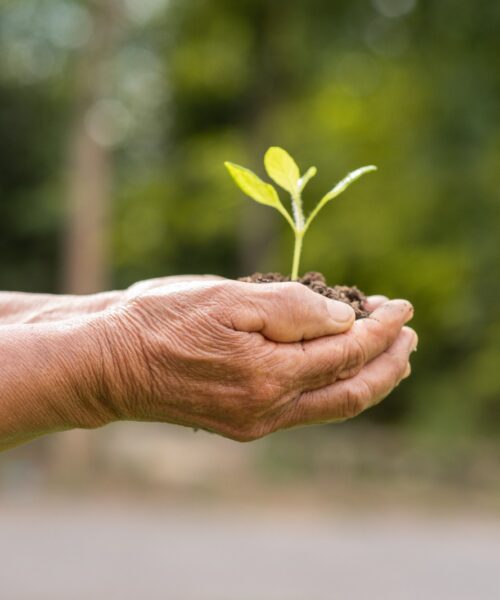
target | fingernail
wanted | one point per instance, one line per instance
(340, 311)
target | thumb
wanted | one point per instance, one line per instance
(289, 312)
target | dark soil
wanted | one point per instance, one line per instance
(317, 283)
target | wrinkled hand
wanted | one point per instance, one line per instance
(244, 360)
(18, 308)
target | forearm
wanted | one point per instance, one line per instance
(19, 307)
(45, 381)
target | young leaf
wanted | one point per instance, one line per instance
(338, 189)
(346, 182)
(258, 190)
(252, 185)
(282, 169)
(308, 175)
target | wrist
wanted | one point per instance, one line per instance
(49, 380)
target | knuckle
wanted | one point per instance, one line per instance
(355, 400)
(296, 294)
(375, 329)
(383, 329)
(354, 356)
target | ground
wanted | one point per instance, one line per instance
(81, 549)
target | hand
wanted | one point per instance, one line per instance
(158, 282)
(244, 360)
(17, 307)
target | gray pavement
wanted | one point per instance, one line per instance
(104, 551)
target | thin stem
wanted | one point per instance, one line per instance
(298, 213)
(297, 251)
(298, 217)
(312, 216)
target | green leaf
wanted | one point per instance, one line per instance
(346, 182)
(253, 186)
(338, 189)
(308, 175)
(260, 191)
(282, 169)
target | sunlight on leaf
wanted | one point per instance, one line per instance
(260, 191)
(282, 169)
(253, 186)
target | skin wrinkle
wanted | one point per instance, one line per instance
(326, 369)
(91, 408)
(203, 362)
(105, 396)
(119, 334)
(342, 389)
(45, 354)
(354, 358)
(34, 404)
(358, 331)
(267, 410)
(353, 367)
(357, 399)
(188, 353)
(152, 380)
(293, 409)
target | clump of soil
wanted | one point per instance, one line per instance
(317, 283)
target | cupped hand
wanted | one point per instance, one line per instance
(244, 360)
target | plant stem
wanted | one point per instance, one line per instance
(298, 217)
(299, 235)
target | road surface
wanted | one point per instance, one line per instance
(107, 551)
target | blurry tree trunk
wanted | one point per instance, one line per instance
(88, 203)
(85, 246)
(85, 256)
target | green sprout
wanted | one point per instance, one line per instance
(283, 170)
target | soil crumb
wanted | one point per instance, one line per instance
(317, 283)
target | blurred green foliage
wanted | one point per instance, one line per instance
(412, 86)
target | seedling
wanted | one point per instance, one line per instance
(283, 170)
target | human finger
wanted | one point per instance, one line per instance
(373, 302)
(347, 398)
(289, 312)
(322, 361)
